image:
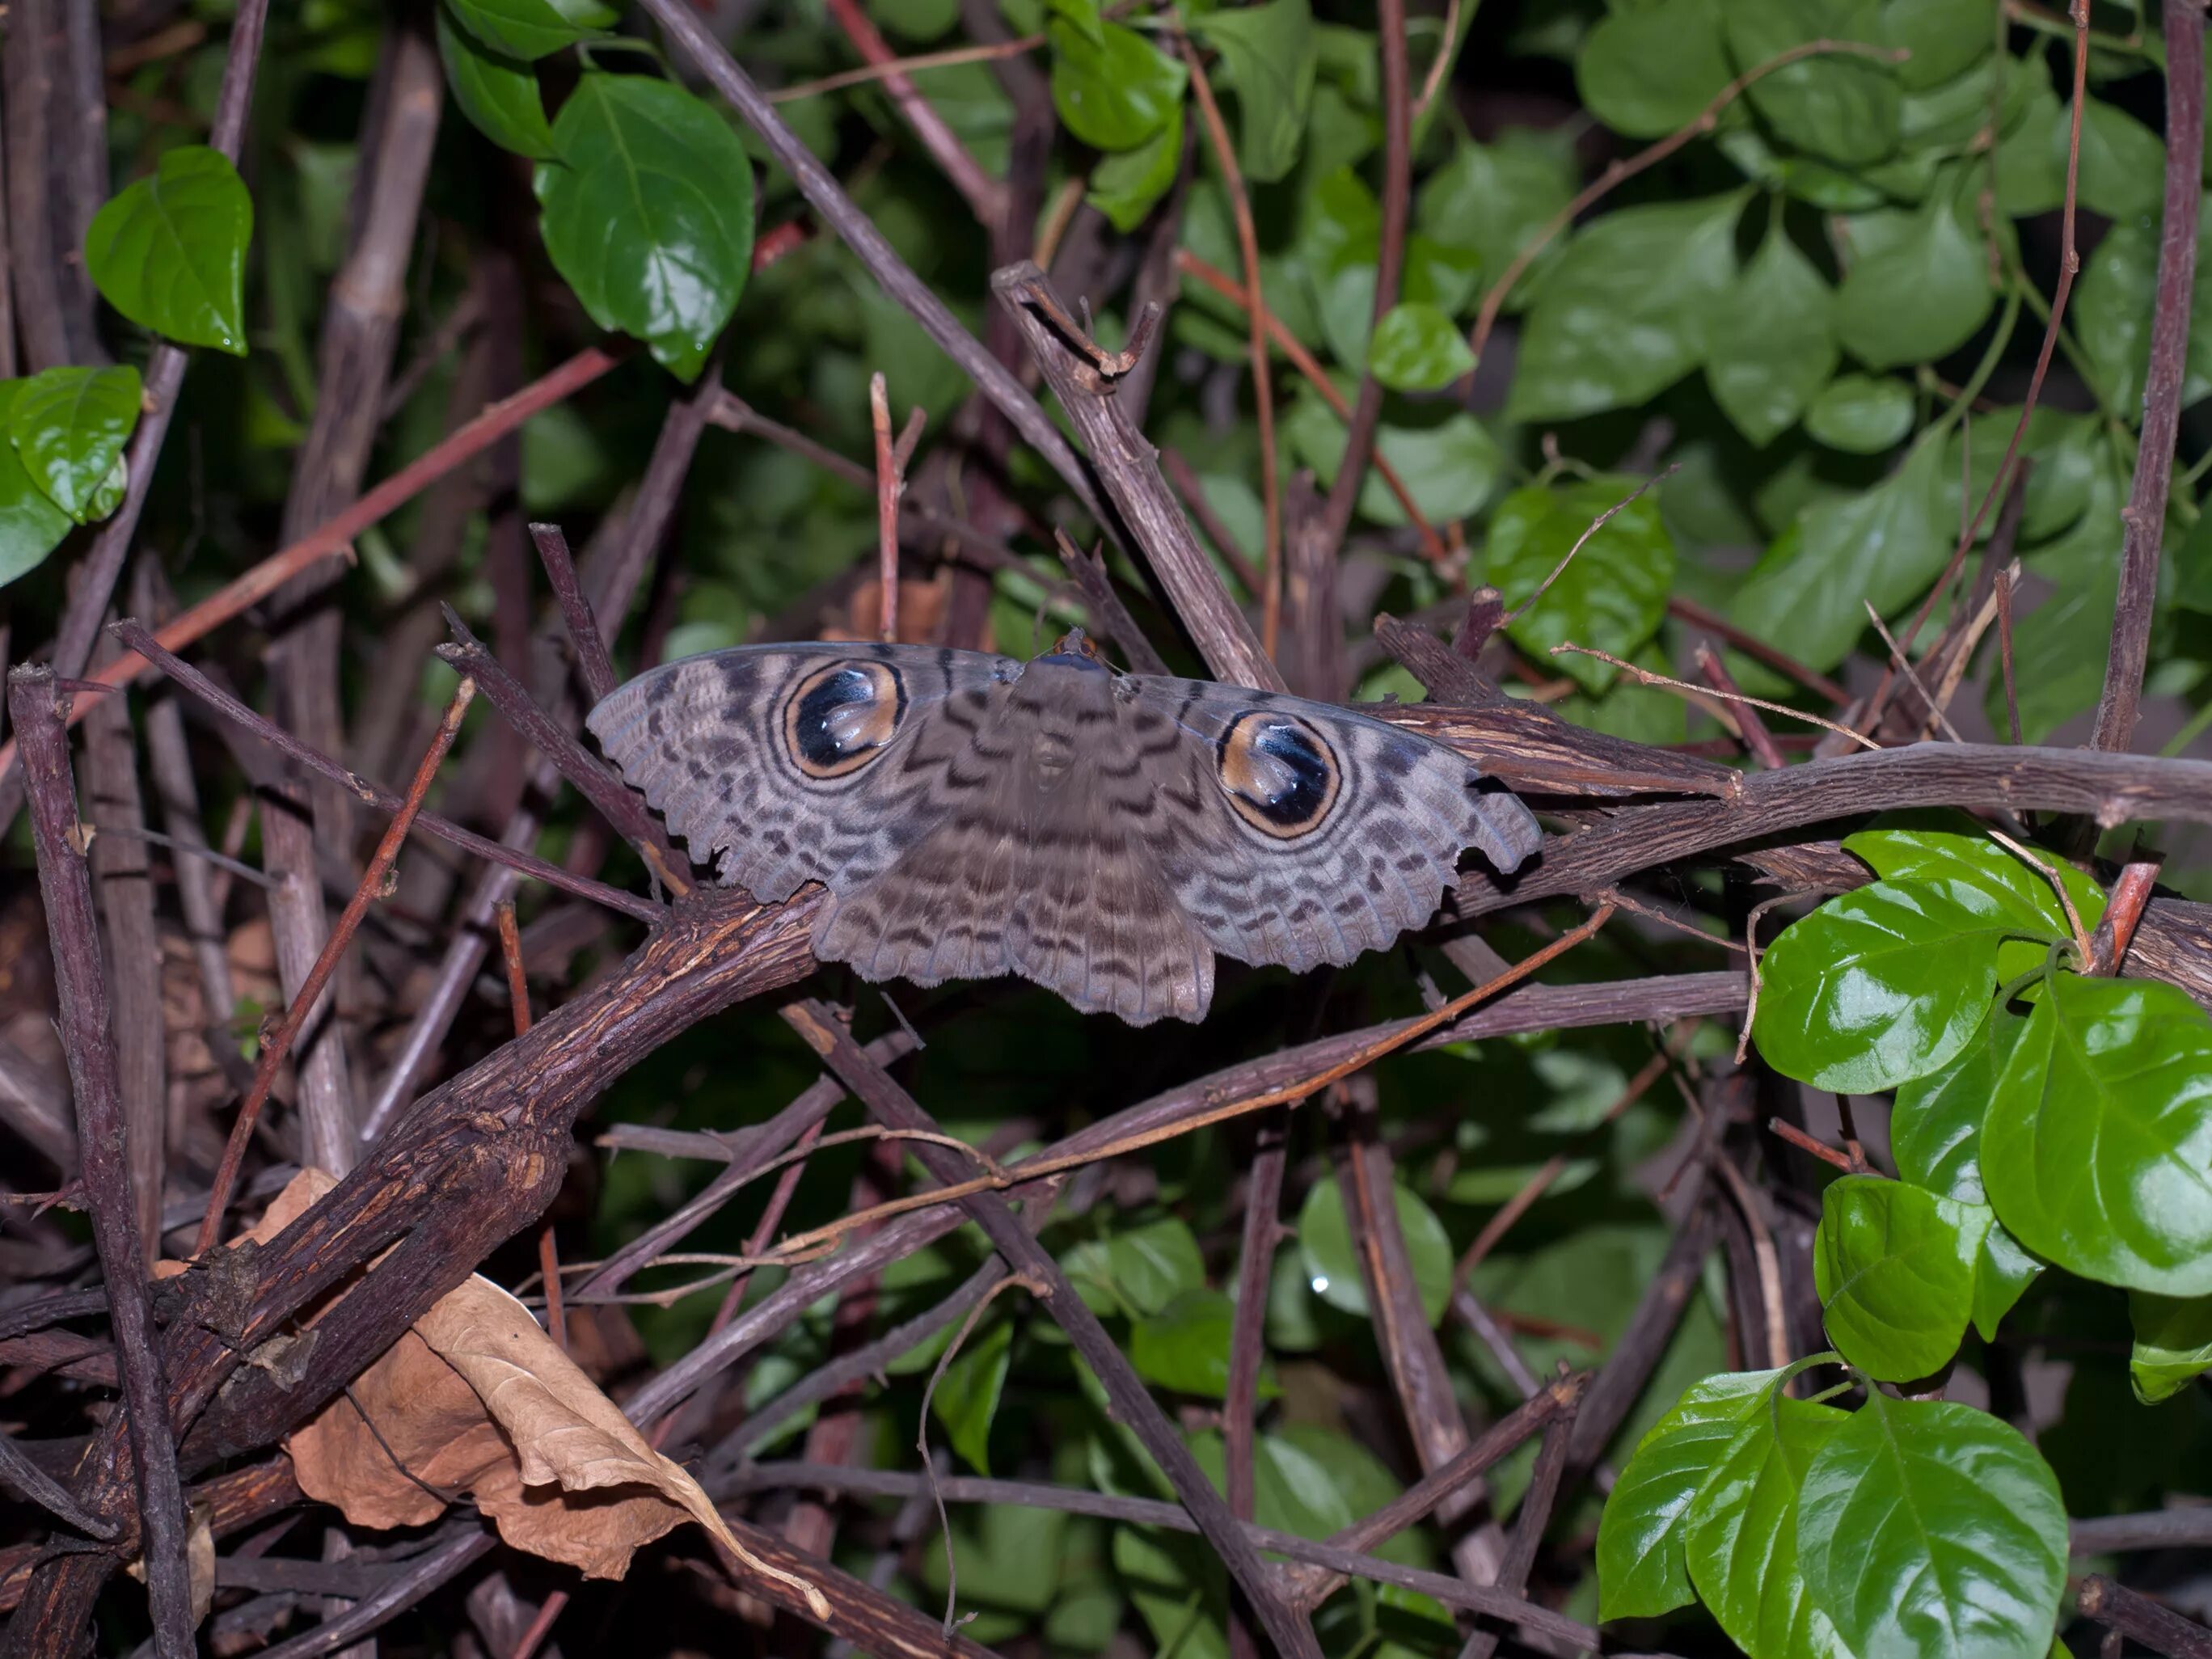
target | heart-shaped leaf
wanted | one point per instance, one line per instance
(31, 526)
(527, 30)
(1894, 1267)
(1613, 594)
(498, 94)
(1933, 1531)
(168, 252)
(69, 425)
(2097, 1151)
(648, 214)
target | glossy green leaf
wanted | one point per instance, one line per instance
(1625, 313)
(2172, 1344)
(529, 29)
(1613, 594)
(1841, 106)
(1935, 1127)
(1185, 1345)
(1886, 983)
(1127, 186)
(2002, 1273)
(1268, 52)
(1741, 1544)
(31, 526)
(1082, 14)
(1861, 414)
(966, 1398)
(1333, 1265)
(1894, 1267)
(2097, 1151)
(1933, 1531)
(2007, 885)
(1916, 286)
(69, 426)
(1641, 1572)
(1138, 1271)
(2111, 308)
(1882, 544)
(1774, 346)
(1491, 199)
(2123, 163)
(168, 250)
(1417, 348)
(1646, 71)
(648, 214)
(1115, 92)
(499, 94)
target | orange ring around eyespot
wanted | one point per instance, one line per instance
(840, 717)
(1256, 753)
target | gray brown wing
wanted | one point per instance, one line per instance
(1296, 833)
(1044, 868)
(786, 764)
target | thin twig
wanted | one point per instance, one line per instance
(1756, 737)
(593, 664)
(1759, 650)
(2115, 930)
(134, 635)
(1595, 524)
(1646, 677)
(1819, 1148)
(371, 887)
(1255, 309)
(890, 486)
(914, 65)
(921, 1442)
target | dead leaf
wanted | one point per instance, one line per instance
(476, 1401)
(199, 1563)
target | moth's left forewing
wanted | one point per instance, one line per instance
(1299, 833)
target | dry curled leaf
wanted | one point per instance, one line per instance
(477, 1401)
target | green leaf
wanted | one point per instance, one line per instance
(1625, 314)
(2123, 163)
(1448, 467)
(966, 1398)
(1115, 92)
(2059, 648)
(498, 94)
(1613, 594)
(1935, 1127)
(1916, 285)
(1417, 348)
(69, 425)
(2097, 1151)
(1894, 1267)
(529, 29)
(168, 252)
(1882, 544)
(1861, 414)
(1269, 53)
(1741, 1544)
(1646, 71)
(649, 213)
(1774, 345)
(1333, 1265)
(2031, 158)
(1883, 984)
(1933, 1530)
(1138, 1270)
(2011, 887)
(31, 526)
(1842, 105)
(1493, 199)
(1127, 185)
(2002, 1273)
(2111, 312)
(2172, 1344)
(1943, 38)
(1641, 1572)
(1185, 1345)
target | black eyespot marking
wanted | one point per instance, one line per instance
(1280, 773)
(839, 718)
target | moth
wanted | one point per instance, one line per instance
(1103, 833)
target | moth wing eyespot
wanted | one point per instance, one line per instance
(838, 718)
(1281, 775)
